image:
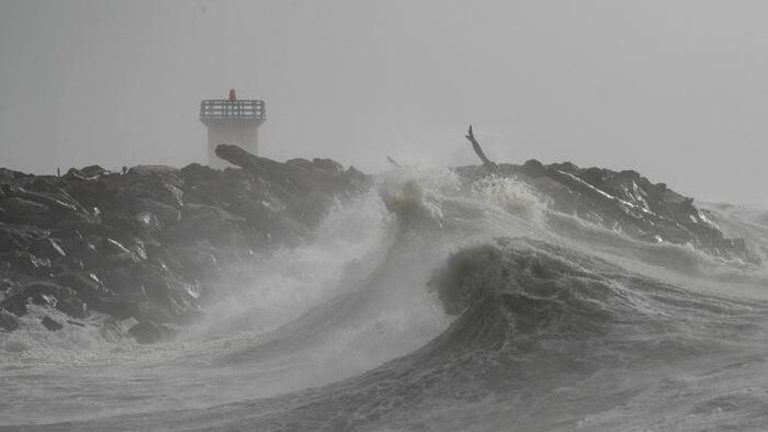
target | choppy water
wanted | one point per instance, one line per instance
(473, 310)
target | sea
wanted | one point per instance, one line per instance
(427, 304)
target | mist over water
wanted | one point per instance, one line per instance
(424, 304)
(673, 90)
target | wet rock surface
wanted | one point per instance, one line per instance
(624, 201)
(151, 244)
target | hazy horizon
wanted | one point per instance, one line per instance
(669, 89)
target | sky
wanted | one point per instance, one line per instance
(674, 89)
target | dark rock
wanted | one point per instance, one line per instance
(112, 246)
(84, 284)
(210, 223)
(48, 248)
(148, 221)
(18, 237)
(164, 213)
(46, 294)
(8, 322)
(169, 295)
(119, 223)
(78, 248)
(25, 262)
(20, 210)
(329, 165)
(15, 304)
(119, 307)
(199, 263)
(10, 176)
(75, 173)
(195, 173)
(51, 324)
(147, 332)
(46, 287)
(94, 171)
(115, 254)
(295, 178)
(90, 193)
(155, 236)
(121, 280)
(58, 200)
(622, 200)
(310, 210)
(45, 300)
(73, 306)
(160, 184)
(533, 168)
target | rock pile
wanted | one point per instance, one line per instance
(624, 201)
(151, 243)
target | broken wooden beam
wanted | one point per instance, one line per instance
(490, 165)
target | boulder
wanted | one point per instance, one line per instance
(208, 223)
(8, 321)
(291, 178)
(24, 262)
(73, 306)
(160, 184)
(196, 173)
(147, 332)
(119, 307)
(51, 324)
(164, 213)
(86, 285)
(623, 200)
(15, 304)
(54, 199)
(93, 171)
(43, 293)
(19, 237)
(145, 243)
(48, 248)
(79, 248)
(148, 221)
(21, 210)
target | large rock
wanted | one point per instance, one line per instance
(622, 200)
(298, 177)
(8, 322)
(147, 332)
(47, 248)
(145, 243)
(86, 285)
(19, 236)
(20, 211)
(44, 293)
(51, 324)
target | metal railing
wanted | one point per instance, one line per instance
(223, 109)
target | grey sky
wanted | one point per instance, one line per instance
(674, 89)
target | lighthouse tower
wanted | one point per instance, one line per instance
(231, 121)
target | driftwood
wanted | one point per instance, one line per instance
(480, 153)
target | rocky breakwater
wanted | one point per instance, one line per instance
(623, 201)
(152, 244)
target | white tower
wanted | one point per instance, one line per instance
(231, 121)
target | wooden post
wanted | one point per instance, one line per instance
(480, 153)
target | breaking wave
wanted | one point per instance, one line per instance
(428, 305)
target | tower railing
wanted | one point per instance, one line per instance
(223, 109)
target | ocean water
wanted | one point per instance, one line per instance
(427, 306)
